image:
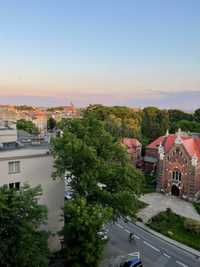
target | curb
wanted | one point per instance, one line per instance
(167, 239)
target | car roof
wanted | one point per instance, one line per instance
(133, 261)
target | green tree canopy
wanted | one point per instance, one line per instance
(22, 244)
(176, 115)
(188, 126)
(119, 121)
(155, 122)
(51, 123)
(27, 126)
(197, 115)
(83, 224)
(91, 156)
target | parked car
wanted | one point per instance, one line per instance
(103, 233)
(129, 260)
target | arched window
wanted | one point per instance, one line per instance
(176, 176)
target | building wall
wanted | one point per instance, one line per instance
(177, 159)
(135, 153)
(7, 136)
(36, 170)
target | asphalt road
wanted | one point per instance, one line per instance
(154, 251)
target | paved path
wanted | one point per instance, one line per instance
(159, 202)
(154, 251)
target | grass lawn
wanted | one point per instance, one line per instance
(172, 225)
(197, 206)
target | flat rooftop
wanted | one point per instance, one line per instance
(29, 151)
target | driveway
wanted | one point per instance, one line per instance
(159, 202)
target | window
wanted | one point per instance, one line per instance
(14, 185)
(176, 176)
(11, 185)
(14, 167)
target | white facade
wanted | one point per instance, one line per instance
(8, 132)
(34, 166)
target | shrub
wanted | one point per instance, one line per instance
(197, 206)
(192, 225)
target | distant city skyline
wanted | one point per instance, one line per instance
(133, 53)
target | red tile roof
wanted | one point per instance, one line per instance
(190, 142)
(130, 142)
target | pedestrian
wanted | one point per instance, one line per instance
(131, 237)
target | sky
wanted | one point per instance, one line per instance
(113, 52)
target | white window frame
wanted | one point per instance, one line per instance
(13, 167)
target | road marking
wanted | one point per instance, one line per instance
(148, 244)
(181, 264)
(126, 230)
(120, 226)
(166, 255)
(137, 237)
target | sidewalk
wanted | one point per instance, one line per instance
(158, 202)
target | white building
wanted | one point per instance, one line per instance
(34, 165)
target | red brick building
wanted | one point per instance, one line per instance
(175, 159)
(134, 148)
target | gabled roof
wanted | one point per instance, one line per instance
(130, 142)
(190, 142)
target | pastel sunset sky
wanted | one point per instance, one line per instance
(113, 52)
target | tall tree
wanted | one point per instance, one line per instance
(120, 121)
(91, 156)
(197, 115)
(191, 126)
(155, 122)
(82, 232)
(51, 123)
(22, 243)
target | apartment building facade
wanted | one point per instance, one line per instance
(34, 165)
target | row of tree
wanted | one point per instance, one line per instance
(146, 124)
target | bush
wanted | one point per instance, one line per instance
(197, 206)
(177, 227)
(192, 225)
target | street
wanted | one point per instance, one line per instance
(154, 251)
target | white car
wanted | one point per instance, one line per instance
(103, 233)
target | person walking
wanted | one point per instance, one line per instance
(131, 237)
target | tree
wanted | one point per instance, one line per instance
(189, 126)
(155, 122)
(120, 121)
(83, 225)
(197, 115)
(176, 115)
(27, 126)
(22, 243)
(90, 155)
(51, 123)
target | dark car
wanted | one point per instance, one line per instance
(130, 260)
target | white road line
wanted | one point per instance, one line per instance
(126, 230)
(166, 255)
(120, 226)
(181, 264)
(137, 237)
(148, 244)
